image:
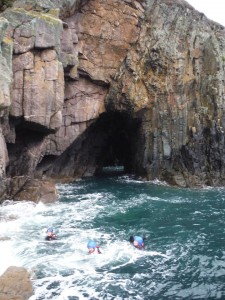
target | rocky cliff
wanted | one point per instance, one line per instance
(87, 83)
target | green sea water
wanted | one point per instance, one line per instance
(184, 255)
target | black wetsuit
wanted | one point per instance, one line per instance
(50, 238)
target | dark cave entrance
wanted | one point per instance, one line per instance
(119, 131)
(108, 146)
(25, 149)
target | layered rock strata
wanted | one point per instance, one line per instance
(85, 84)
(174, 78)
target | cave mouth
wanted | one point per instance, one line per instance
(22, 150)
(119, 142)
(109, 171)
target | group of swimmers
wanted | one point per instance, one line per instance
(136, 241)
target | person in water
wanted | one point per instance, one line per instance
(137, 242)
(50, 234)
(91, 245)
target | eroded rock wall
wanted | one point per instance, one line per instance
(5, 88)
(174, 80)
(36, 94)
(100, 36)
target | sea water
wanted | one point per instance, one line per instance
(184, 255)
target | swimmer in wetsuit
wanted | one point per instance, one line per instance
(50, 234)
(91, 245)
(137, 242)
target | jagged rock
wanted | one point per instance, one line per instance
(35, 76)
(175, 74)
(5, 86)
(64, 8)
(84, 102)
(102, 51)
(5, 65)
(33, 5)
(38, 191)
(4, 160)
(4, 4)
(38, 88)
(15, 284)
(84, 98)
(3, 155)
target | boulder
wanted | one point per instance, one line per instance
(15, 284)
(38, 191)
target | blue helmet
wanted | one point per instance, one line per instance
(50, 229)
(91, 244)
(139, 239)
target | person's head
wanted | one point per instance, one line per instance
(50, 231)
(137, 241)
(131, 239)
(91, 245)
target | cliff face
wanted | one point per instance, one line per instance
(86, 84)
(174, 79)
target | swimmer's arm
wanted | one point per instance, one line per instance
(99, 252)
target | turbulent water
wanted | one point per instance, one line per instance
(184, 257)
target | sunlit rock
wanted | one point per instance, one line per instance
(15, 284)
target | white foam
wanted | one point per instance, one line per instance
(7, 255)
